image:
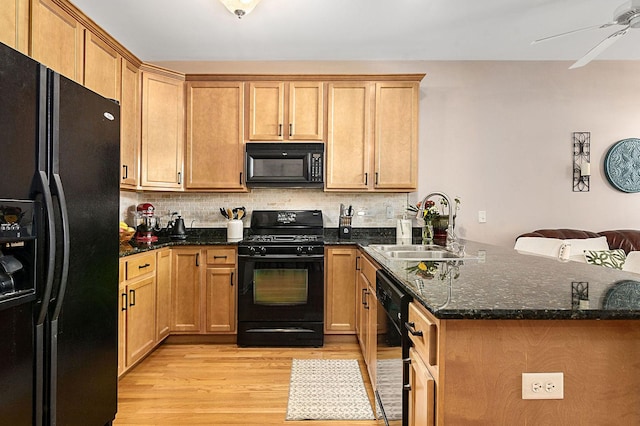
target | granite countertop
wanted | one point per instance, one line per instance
(195, 237)
(500, 283)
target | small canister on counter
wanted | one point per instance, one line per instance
(234, 230)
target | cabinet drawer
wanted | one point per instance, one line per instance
(221, 256)
(140, 265)
(423, 332)
(368, 269)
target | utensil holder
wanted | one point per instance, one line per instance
(234, 230)
(344, 228)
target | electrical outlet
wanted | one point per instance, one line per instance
(482, 216)
(542, 385)
(389, 212)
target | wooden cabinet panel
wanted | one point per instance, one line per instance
(101, 67)
(140, 265)
(163, 293)
(266, 111)
(221, 256)
(129, 125)
(425, 336)
(306, 111)
(57, 39)
(300, 118)
(421, 394)
(162, 131)
(396, 135)
(349, 143)
(186, 289)
(340, 287)
(14, 24)
(141, 311)
(215, 136)
(221, 300)
(122, 319)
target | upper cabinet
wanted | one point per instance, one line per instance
(372, 140)
(396, 136)
(214, 157)
(57, 39)
(101, 67)
(349, 141)
(130, 105)
(162, 130)
(280, 111)
(14, 24)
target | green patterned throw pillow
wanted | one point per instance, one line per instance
(609, 258)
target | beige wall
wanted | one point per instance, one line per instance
(498, 135)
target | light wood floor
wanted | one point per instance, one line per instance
(220, 384)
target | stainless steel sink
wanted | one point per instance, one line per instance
(413, 252)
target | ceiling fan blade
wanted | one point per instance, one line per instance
(599, 48)
(593, 27)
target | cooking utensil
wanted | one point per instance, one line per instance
(223, 212)
(240, 213)
(235, 213)
(229, 213)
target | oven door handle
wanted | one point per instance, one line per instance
(281, 257)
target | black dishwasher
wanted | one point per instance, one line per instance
(392, 347)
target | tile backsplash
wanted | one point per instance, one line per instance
(202, 210)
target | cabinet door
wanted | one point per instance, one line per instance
(362, 309)
(215, 149)
(340, 290)
(129, 125)
(141, 312)
(349, 142)
(14, 24)
(101, 67)
(396, 136)
(306, 111)
(221, 300)
(163, 294)
(266, 111)
(422, 393)
(162, 131)
(186, 290)
(122, 319)
(57, 39)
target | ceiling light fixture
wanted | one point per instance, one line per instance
(240, 7)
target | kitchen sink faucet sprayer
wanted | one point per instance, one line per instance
(451, 235)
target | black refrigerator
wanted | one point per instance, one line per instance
(59, 214)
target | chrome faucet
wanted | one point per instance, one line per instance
(451, 235)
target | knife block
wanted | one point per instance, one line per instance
(344, 228)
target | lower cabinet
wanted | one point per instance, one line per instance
(421, 392)
(137, 319)
(367, 313)
(340, 290)
(203, 290)
(163, 293)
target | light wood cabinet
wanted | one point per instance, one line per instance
(14, 24)
(186, 290)
(280, 111)
(214, 157)
(221, 294)
(340, 288)
(396, 136)
(372, 151)
(137, 325)
(367, 307)
(421, 392)
(349, 136)
(102, 64)
(57, 39)
(163, 293)
(130, 106)
(162, 130)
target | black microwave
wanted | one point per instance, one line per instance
(285, 164)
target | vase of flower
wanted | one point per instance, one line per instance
(427, 233)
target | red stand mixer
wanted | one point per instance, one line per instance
(148, 224)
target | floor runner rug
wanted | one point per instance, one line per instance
(327, 389)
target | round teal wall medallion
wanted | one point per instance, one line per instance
(622, 165)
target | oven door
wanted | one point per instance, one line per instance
(280, 288)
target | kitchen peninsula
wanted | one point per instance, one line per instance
(498, 314)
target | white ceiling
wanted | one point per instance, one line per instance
(360, 30)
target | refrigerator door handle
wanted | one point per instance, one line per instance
(48, 202)
(64, 216)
